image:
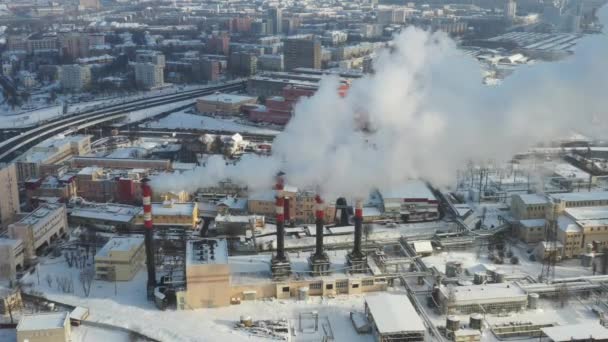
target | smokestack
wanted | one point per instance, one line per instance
(149, 233)
(319, 262)
(279, 265)
(356, 259)
(280, 218)
(358, 227)
(320, 220)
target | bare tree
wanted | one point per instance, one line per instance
(49, 280)
(65, 284)
(86, 280)
(12, 303)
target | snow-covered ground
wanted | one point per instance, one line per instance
(183, 120)
(130, 309)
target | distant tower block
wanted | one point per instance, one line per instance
(319, 261)
(357, 260)
(279, 265)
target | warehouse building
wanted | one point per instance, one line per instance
(591, 331)
(393, 318)
(44, 327)
(120, 258)
(492, 298)
(107, 216)
(39, 228)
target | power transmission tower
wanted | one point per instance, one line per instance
(551, 251)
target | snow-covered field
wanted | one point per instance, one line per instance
(130, 309)
(183, 120)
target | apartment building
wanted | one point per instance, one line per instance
(39, 228)
(11, 258)
(75, 77)
(9, 201)
(149, 76)
(120, 258)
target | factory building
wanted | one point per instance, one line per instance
(213, 279)
(44, 327)
(170, 213)
(492, 298)
(528, 206)
(105, 216)
(532, 230)
(412, 201)
(394, 318)
(588, 331)
(227, 104)
(533, 206)
(120, 259)
(39, 228)
(11, 258)
(580, 226)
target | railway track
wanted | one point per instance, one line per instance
(26, 139)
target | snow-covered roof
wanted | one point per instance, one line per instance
(107, 212)
(42, 321)
(174, 209)
(573, 332)
(206, 251)
(423, 247)
(371, 211)
(393, 313)
(566, 224)
(587, 213)
(411, 189)
(582, 196)
(533, 223)
(486, 294)
(227, 98)
(234, 203)
(119, 244)
(531, 199)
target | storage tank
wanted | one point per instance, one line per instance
(303, 293)
(453, 269)
(476, 321)
(533, 300)
(479, 278)
(499, 277)
(452, 323)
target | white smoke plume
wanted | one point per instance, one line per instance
(425, 113)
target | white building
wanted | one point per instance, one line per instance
(393, 318)
(39, 228)
(75, 77)
(510, 9)
(412, 201)
(149, 75)
(44, 327)
(491, 297)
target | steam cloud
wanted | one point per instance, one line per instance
(425, 113)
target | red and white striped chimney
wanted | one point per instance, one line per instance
(147, 202)
(320, 216)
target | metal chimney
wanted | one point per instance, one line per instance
(279, 265)
(149, 234)
(357, 259)
(319, 262)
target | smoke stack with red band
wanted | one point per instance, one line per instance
(279, 265)
(356, 258)
(319, 262)
(146, 191)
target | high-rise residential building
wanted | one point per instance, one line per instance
(302, 53)
(74, 45)
(75, 77)
(275, 17)
(148, 75)
(243, 63)
(89, 4)
(219, 44)
(206, 69)
(510, 9)
(150, 56)
(9, 201)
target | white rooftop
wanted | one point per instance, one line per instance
(107, 212)
(226, 98)
(532, 199)
(411, 189)
(582, 196)
(486, 294)
(206, 251)
(533, 223)
(394, 313)
(588, 213)
(173, 209)
(119, 244)
(582, 331)
(42, 321)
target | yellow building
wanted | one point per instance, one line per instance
(301, 205)
(581, 226)
(120, 259)
(11, 258)
(169, 213)
(528, 206)
(44, 327)
(214, 280)
(532, 231)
